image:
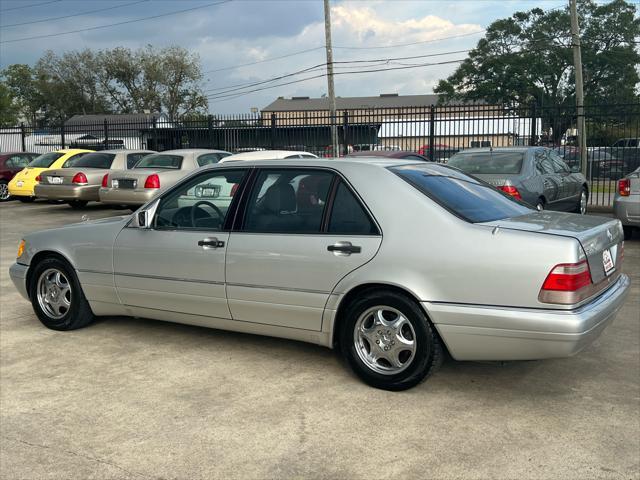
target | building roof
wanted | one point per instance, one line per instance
(118, 125)
(113, 118)
(351, 103)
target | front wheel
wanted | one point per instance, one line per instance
(57, 297)
(4, 191)
(581, 207)
(389, 342)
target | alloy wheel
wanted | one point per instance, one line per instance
(4, 191)
(54, 293)
(583, 202)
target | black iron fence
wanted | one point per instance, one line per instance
(436, 132)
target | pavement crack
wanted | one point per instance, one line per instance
(80, 455)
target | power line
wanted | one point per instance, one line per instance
(75, 14)
(13, 40)
(413, 43)
(28, 6)
(293, 54)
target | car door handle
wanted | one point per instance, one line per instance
(345, 248)
(210, 243)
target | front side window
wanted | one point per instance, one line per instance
(45, 160)
(288, 201)
(134, 158)
(464, 196)
(160, 160)
(348, 216)
(476, 163)
(202, 203)
(95, 160)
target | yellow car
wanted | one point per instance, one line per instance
(22, 185)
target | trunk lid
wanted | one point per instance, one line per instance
(94, 175)
(498, 179)
(595, 234)
(132, 179)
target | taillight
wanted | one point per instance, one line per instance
(80, 178)
(234, 189)
(105, 180)
(567, 283)
(38, 178)
(624, 187)
(511, 190)
(152, 181)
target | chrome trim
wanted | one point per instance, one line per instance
(172, 279)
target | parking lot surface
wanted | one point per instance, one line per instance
(135, 398)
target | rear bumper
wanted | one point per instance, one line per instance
(627, 210)
(475, 332)
(115, 196)
(18, 274)
(87, 193)
(20, 191)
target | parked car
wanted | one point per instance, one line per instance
(10, 164)
(408, 155)
(22, 186)
(601, 163)
(79, 183)
(535, 175)
(297, 251)
(626, 203)
(138, 185)
(441, 152)
(267, 155)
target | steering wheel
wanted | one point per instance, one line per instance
(194, 208)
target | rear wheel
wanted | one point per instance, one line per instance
(26, 199)
(77, 204)
(389, 342)
(4, 191)
(540, 204)
(57, 297)
(628, 232)
(581, 207)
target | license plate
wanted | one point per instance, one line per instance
(54, 180)
(124, 183)
(19, 183)
(607, 262)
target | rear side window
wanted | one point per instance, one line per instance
(45, 160)
(71, 161)
(17, 161)
(464, 196)
(475, 163)
(134, 158)
(348, 216)
(160, 160)
(210, 158)
(95, 160)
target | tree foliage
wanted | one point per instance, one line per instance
(119, 80)
(528, 57)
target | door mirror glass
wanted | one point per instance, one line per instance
(144, 218)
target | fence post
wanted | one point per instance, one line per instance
(210, 129)
(432, 132)
(345, 132)
(62, 134)
(22, 136)
(106, 134)
(273, 131)
(534, 125)
(155, 134)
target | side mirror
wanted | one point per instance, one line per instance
(144, 217)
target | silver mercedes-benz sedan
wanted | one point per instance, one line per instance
(79, 182)
(391, 261)
(141, 183)
(626, 203)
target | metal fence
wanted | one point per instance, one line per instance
(437, 132)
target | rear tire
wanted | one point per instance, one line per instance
(26, 199)
(581, 207)
(388, 341)
(4, 191)
(628, 232)
(540, 204)
(57, 297)
(77, 204)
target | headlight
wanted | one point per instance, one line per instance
(21, 248)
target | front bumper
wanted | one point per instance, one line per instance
(475, 332)
(87, 193)
(18, 274)
(115, 196)
(627, 210)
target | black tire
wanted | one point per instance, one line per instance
(540, 204)
(578, 208)
(79, 313)
(26, 199)
(4, 191)
(426, 359)
(628, 232)
(77, 204)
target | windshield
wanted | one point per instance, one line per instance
(45, 160)
(94, 160)
(464, 196)
(160, 160)
(488, 162)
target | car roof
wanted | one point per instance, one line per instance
(125, 150)
(385, 153)
(191, 151)
(265, 155)
(337, 163)
(501, 149)
(19, 153)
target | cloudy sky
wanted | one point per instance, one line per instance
(237, 32)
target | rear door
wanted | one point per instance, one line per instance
(552, 184)
(568, 184)
(300, 232)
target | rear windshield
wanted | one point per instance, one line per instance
(45, 160)
(463, 195)
(488, 162)
(94, 160)
(160, 160)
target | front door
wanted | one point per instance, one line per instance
(303, 231)
(178, 265)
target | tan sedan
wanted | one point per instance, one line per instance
(137, 186)
(79, 181)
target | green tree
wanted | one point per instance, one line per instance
(9, 109)
(20, 80)
(528, 57)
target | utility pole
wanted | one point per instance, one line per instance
(330, 86)
(577, 64)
